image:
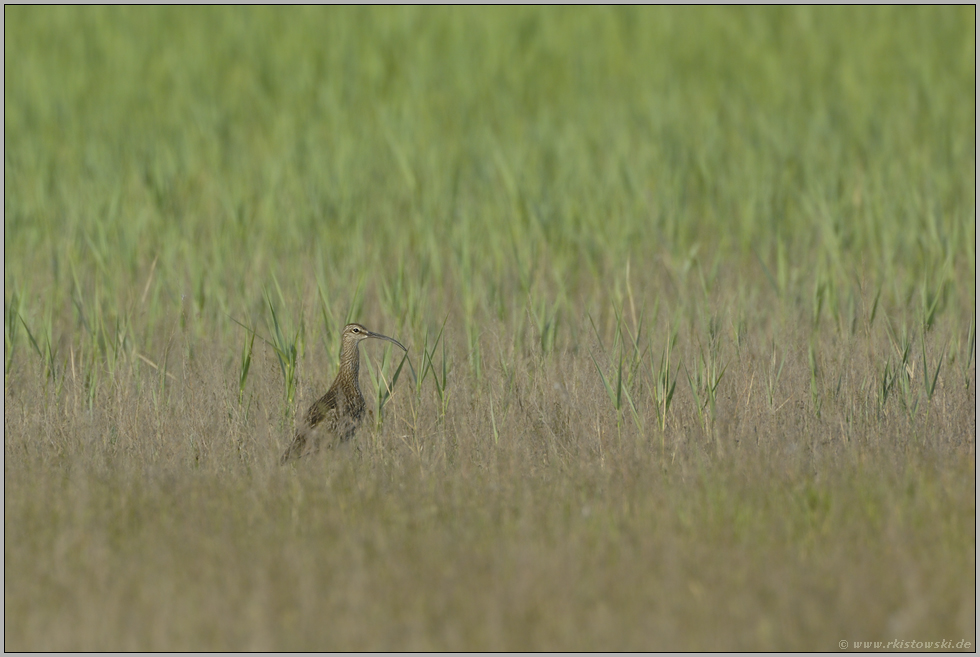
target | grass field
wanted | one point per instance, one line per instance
(689, 296)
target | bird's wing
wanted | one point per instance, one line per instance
(296, 449)
(306, 441)
(323, 406)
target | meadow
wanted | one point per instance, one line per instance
(689, 296)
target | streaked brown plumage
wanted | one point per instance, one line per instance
(341, 410)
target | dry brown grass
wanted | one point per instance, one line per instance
(160, 520)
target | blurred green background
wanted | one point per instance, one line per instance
(486, 148)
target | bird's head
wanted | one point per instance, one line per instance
(355, 333)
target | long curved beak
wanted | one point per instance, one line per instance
(372, 334)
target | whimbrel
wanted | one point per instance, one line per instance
(341, 410)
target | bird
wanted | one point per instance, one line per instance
(341, 410)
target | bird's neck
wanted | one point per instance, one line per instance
(350, 363)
